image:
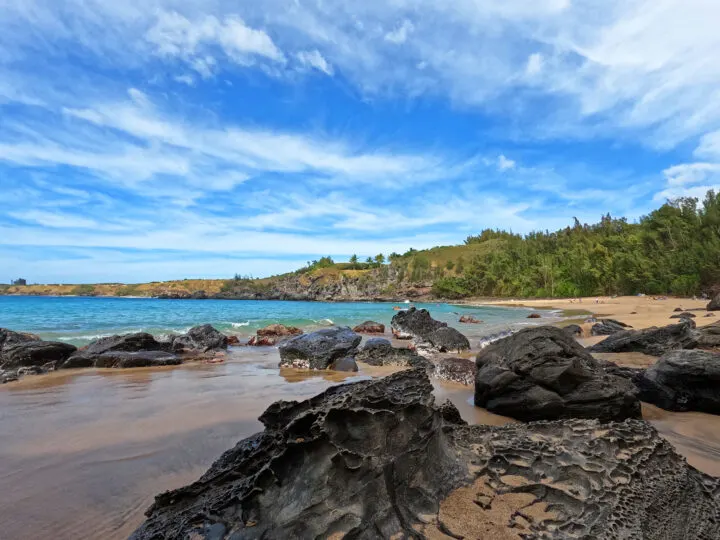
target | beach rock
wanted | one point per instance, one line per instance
(469, 319)
(709, 315)
(708, 337)
(35, 353)
(370, 327)
(378, 459)
(683, 315)
(345, 364)
(124, 359)
(233, 341)
(678, 309)
(534, 316)
(574, 330)
(653, 341)
(200, 339)
(607, 327)
(459, 370)
(714, 304)
(380, 352)
(414, 324)
(138, 341)
(273, 334)
(542, 373)
(10, 337)
(9, 375)
(318, 350)
(447, 339)
(683, 381)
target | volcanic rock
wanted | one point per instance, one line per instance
(318, 350)
(35, 353)
(414, 324)
(607, 327)
(380, 352)
(469, 319)
(683, 315)
(534, 316)
(574, 330)
(10, 337)
(378, 459)
(200, 339)
(273, 334)
(542, 373)
(714, 304)
(345, 364)
(446, 339)
(653, 341)
(124, 359)
(708, 337)
(370, 327)
(459, 370)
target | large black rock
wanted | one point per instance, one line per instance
(127, 343)
(378, 459)
(414, 324)
(10, 337)
(35, 353)
(124, 359)
(714, 304)
(708, 337)
(683, 381)
(200, 339)
(542, 373)
(380, 352)
(448, 339)
(318, 350)
(653, 341)
(608, 327)
(459, 370)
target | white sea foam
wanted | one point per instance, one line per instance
(240, 324)
(324, 322)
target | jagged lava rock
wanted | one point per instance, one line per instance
(10, 337)
(708, 337)
(415, 324)
(447, 339)
(89, 355)
(125, 359)
(378, 459)
(370, 327)
(683, 315)
(607, 327)
(652, 341)
(200, 339)
(542, 373)
(683, 381)
(459, 370)
(318, 350)
(35, 353)
(380, 352)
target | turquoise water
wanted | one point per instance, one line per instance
(79, 320)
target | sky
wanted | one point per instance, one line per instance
(167, 139)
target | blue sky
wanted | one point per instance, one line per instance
(162, 139)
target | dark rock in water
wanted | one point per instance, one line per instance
(378, 459)
(203, 338)
(318, 350)
(273, 334)
(414, 324)
(653, 341)
(233, 340)
(36, 353)
(714, 304)
(607, 327)
(574, 330)
(534, 316)
(469, 319)
(10, 337)
(88, 356)
(380, 352)
(370, 327)
(459, 370)
(542, 373)
(124, 359)
(345, 364)
(447, 339)
(684, 315)
(683, 381)
(708, 337)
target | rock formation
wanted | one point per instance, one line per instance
(199, 340)
(124, 359)
(414, 324)
(380, 352)
(378, 459)
(708, 337)
(683, 315)
(459, 370)
(714, 304)
(370, 327)
(542, 373)
(607, 327)
(273, 334)
(469, 319)
(318, 350)
(683, 381)
(653, 341)
(35, 353)
(574, 330)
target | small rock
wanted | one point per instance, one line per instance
(370, 327)
(124, 359)
(684, 315)
(469, 319)
(273, 334)
(574, 330)
(414, 324)
(460, 370)
(233, 341)
(607, 327)
(345, 364)
(534, 316)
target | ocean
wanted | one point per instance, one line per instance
(79, 320)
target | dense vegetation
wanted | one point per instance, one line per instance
(675, 250)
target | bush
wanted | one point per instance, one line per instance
(450, 287)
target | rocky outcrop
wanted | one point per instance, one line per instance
(574, 330)
(459, 370)
(124, 359)
(684, 315)
(320, 349)
(199, 340)
(653, 341)
(708, 337)
(469, 319)
(444, 339)
(683, 381)
(380, 352)
(10, 337)
(378, 459)
(542, 373)
(534, 316)
(273, 334)
(370, 327)
(608, 327)
(130, 343)
(714, 304)
(345, 364)
(35, 353)
(414, 324)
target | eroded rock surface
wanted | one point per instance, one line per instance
(370, 327)
(653, 341)
(273, 334)
(199, 340)
(36, 353)
(446, 339)
(459, 370)
(683, 381)
(414, 324)
(318, 350)
(378, 459)
(10, 337)
(708, 337)
(380, 352)
(607, 327)
(714, 304)
(124, 359)
(542, 373)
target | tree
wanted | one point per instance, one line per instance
(354, 261)
(380, 259)
(369, 261)
(19, 281)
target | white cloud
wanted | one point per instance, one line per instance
(400, 34)
(315, 60)
(534, 64)
(504, 163)
(690, 180)
(185, 79)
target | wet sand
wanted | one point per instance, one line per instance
(84, 452)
